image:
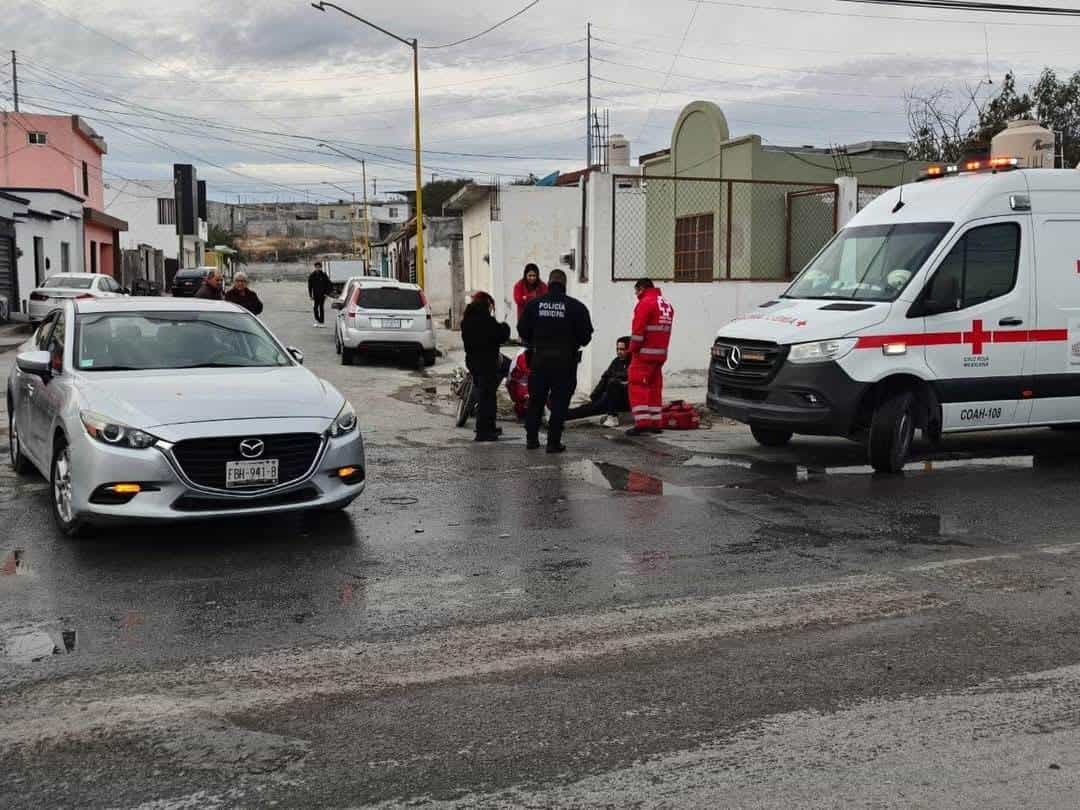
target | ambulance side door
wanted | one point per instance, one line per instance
(1056, 385)
(978, 309)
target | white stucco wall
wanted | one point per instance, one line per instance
(476, 233)
(136, 203)
(700, 309)
(537, 223)
(52, 233)
(437, 280)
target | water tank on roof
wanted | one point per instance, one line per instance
(1027, 140)
(618, 153)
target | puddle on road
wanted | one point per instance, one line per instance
(29, 645)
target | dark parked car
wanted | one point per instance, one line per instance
(187, 282)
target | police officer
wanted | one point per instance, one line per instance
(555, 327)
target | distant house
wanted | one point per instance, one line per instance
(63, 154)
(442, 262)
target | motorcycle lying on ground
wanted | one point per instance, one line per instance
(461, 383)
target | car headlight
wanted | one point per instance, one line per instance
(107, 431)
(345, 421)
(821, 351)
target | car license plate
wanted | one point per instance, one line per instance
(389, 323)
(248, 473)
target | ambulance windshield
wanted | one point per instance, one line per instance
(869, 263)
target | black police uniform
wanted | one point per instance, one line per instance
(555, 327)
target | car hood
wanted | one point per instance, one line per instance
(802, 320)
(149, 399)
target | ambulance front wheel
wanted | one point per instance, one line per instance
(771, 437)
(892, 429)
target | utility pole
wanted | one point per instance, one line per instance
(367, 224)
(15, 80)
(588, 96)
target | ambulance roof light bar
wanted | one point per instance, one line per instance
(997, 164)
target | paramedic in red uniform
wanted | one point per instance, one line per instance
(649, 339)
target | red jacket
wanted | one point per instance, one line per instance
(651, 332)
(523, 295)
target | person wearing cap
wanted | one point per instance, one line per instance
(319, 286)
(554, 327)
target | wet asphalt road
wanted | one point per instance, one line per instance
(692, 622)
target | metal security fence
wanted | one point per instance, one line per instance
(687, 229)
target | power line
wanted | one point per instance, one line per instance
(674, 61)
(891, 18)
(488, 30)
(960, 5)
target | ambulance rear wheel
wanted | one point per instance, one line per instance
(891, 432)
(770, 437)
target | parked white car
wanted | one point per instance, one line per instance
(381, 315)
(165, 409)
(64, 286)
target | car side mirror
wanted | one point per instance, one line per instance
(37, 362)
(338, 305)
(297, 355)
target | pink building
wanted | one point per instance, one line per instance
(63, 153)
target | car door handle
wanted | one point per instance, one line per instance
(1010, 322)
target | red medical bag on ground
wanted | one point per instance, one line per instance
(680, 415)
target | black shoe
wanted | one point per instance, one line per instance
(532, 444)
(556, 448)
(486, 437)
(636, 431)
(498, 431)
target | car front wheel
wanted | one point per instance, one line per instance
(19, 463)
(62, 502)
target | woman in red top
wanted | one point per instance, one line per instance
(529, 287)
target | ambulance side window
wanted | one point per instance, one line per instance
(980, 267)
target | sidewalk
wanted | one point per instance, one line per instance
(13, 335)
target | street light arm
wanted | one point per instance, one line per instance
(322, 6)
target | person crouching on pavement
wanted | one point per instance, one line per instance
(517, 384)
(482, 336)
(609, 397)
(555, 327)
(242, 295)
(649, 339)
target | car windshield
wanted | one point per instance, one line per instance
(389, 298)
(69, 282)
(869, 262)
(134, 341)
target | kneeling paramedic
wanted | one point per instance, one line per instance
(555, 327)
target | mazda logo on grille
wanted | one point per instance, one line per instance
(252, 448)
(734, 357)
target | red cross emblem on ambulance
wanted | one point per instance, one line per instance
(977, 337)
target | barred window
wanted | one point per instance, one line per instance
(166, 211)
(694, 248)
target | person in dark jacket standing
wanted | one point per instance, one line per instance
(211, 287)
(555, 327)
(482, 336)
(242, 295)
(609, 397)
(318, 287)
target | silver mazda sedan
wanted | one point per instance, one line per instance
(172, 409)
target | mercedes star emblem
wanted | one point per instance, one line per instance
(734, 358)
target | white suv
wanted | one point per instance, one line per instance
(379, 315)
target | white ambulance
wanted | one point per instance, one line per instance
(951, 304)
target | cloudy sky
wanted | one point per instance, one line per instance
(247, 90)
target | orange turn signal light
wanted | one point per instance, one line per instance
(125, 489)
(347, 472)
